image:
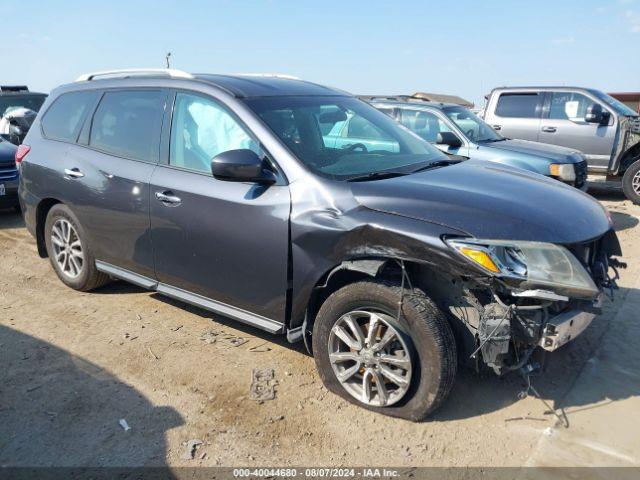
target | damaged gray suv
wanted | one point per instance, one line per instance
(393, 262)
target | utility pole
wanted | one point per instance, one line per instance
(167, 57)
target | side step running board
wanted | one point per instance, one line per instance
(235, 313)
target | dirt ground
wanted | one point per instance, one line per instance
(72, 365)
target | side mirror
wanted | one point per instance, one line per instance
(448, 138)
(595, 114)
(242, 165)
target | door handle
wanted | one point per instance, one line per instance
(497, 127)
(73, 172)
(549, 129)
(168, 197)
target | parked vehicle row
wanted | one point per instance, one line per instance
(455, 129)
(604, 129)
(18, 108)
(306, 212)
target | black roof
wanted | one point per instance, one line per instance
(266, 86)
(16, 90)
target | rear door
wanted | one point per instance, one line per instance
(226, 242)
(108, 174)
(563, 124)
(517, 114)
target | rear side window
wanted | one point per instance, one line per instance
(127, 124)
(518, 105)
(63, 119)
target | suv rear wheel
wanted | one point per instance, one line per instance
(631, 182)
(68, 251)
(404, 368)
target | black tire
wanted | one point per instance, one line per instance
(627, 182)
(425, 329)
(89, 277)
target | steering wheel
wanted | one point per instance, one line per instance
(470, 133)
(354, 146)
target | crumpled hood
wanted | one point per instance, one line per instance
(554, 152)
(490, 202)
(7, 153)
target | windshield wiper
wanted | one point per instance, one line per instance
(376, 176)
(491, 140)
(436, 164)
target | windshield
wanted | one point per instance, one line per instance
(30, 101)
(342, 137)
(473, 126)
(619, 107)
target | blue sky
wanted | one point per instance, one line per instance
(368, 47)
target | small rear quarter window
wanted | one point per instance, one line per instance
(518, 105)
(63, 119)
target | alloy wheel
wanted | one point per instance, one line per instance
(635, 183)
(370, 358)
(67, 248)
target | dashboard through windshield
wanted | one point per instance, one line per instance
(342, 137)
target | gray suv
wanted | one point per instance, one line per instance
(393, 263)
(456, 130)
(604, 129)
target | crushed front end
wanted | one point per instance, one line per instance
(533, 296)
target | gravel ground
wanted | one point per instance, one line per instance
(75, 364)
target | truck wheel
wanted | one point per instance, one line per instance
(68, 250)
(631, 182)
(402, 368)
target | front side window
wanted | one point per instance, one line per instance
(373, 142)
(476, 129)
(518, 105)
(62, 120)
(127, 124)
(425, 124)
(202, 129)
(569, 106)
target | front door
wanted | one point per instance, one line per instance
(564, 125)
(226, 242)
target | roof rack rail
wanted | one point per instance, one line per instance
(270, 75)
(170, 72)
(402, 98)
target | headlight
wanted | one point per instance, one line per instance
(536, 264)
(563, 171)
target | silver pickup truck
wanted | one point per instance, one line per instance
(603, 128)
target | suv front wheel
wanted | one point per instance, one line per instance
(68, 250)
(403, 367)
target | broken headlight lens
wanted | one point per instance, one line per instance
(536, 264)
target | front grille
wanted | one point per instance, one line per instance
(581, 173)
(8, 172)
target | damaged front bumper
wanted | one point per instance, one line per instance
(566, 326)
